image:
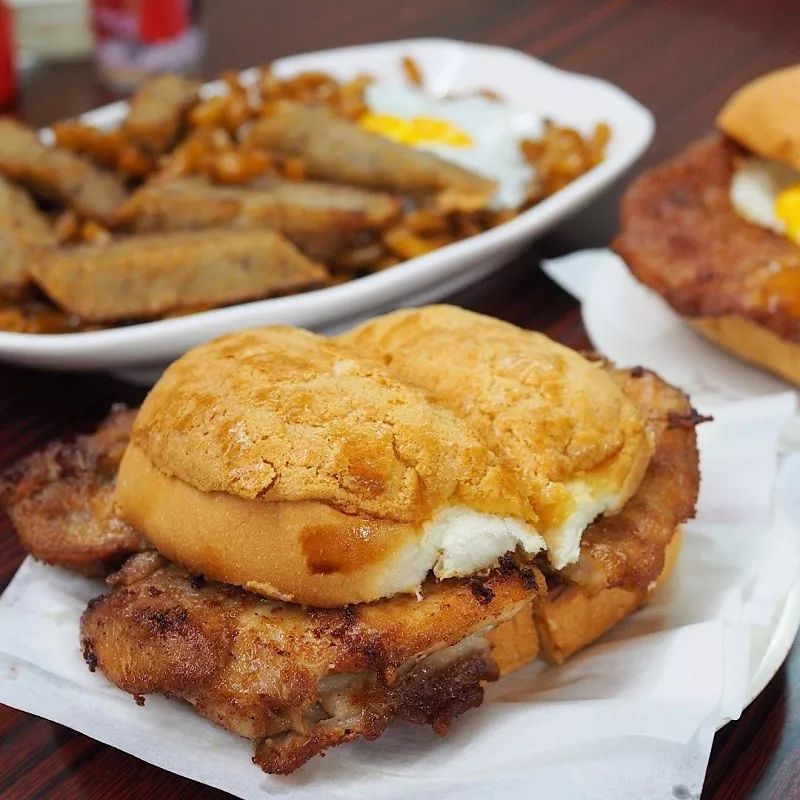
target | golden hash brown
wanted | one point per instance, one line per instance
(60, 500)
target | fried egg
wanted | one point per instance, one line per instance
(479, 134)
(767, 193)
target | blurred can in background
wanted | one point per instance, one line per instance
(8, 83)
(138, 38)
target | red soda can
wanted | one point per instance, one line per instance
(135, 39)
(8, 82)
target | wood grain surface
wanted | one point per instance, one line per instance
(682, 59)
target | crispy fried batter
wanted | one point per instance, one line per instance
(147, 276)
(626, 550)
(297, 681)
(60, 500)
(58, 173)
(681, 236)
(321, 219)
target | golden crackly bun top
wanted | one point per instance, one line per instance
(281, 414)
(278, 460)
(329, 472)
(578, 445)
(764, 116)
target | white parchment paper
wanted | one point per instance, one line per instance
(631, 717)
(632, 325)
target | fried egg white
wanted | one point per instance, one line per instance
(767, 193)
(479, 134)
(458, 541)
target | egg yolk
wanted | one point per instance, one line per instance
(779, 286)
(787, 210)
(415, 131)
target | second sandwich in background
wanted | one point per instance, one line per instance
(329, 534)
(716, 230)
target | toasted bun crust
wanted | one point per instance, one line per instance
(299, 551)
(574, 618)
(301, 468)
(275, 460)
(753, 343)
(515, 642)
(764, 116)
(280, 414)
(551, 414)
(571, 620)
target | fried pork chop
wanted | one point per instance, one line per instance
(681, 236)
(298, 681)
(60, 500)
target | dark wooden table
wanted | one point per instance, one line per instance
(682, 59)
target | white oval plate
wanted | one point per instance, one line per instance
(448, 66)
(770, 646)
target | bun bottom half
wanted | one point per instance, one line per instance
(753, 343)
(570, 620)
(313, 553)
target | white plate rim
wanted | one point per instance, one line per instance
(784, 633)
(164, 338)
